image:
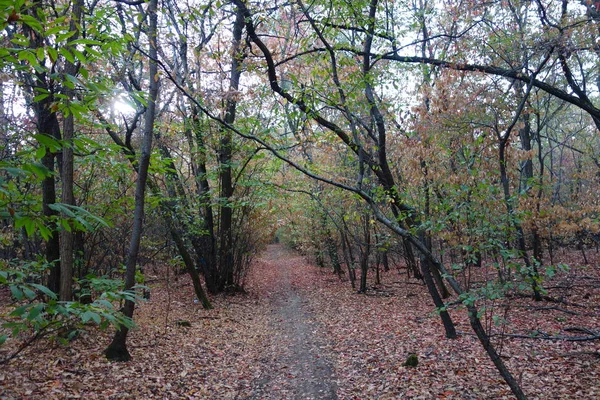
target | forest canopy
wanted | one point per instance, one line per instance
(441, 137)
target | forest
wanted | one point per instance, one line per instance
(299, 199)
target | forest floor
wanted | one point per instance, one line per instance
(302, 333)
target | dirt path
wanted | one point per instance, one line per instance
(297, 366)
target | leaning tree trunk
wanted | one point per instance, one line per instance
(117, 350)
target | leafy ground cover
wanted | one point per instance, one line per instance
(301, 333)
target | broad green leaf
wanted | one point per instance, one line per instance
(27, 55)
(40, 97)
(30, 294)
(107, 304)
(41, 54)
(44, 231)
(67, 55)
(32, 22)
(86, 41)
(48, 141)
(19, 311)
(16, 292)
(29, 225)
(63, 37)
(90, 315)
(44, 290)
(35, 312)
(52, 53)
(38, 169)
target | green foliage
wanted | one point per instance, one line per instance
(37, 312)
(411, 361)
(22, 207)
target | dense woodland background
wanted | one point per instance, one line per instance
(451, 143)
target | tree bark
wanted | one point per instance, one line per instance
(46, 124)
(117, 350)
(226, 250)
(68, 197)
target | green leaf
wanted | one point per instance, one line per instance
(15, 171)
(27, 55)
(29, 225)
(67, 55)
(40, 97)
(35, 312)
(87, 42)
(48, 141)
(19, 311)
(3, 339)
(79, 55)
(40, 152)
(107, 304)
(53, 54)
(30, 294)
(38, 169)
(32, 22)
(90, 315)
(44, 290)
(44, 231)
(16, 292)
(63, 37)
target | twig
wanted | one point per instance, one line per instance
(578, 329)
(42, 332)
(554, 308)
(581, 353)
(543, 336)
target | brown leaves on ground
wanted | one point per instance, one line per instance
(237, 350)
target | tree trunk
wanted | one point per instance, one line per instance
(437, 299)
(226, 256)
(365, 252)
(46, 124)
(175, 189)
(68, 198)
(411, 262)
(385, 260)
(205, 243)
(532, 272)
(117, 350)
(190, 268)
(349, 258)
(52, 252)
(494, 356)
(330, 246)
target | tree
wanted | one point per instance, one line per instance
(117, 350)
(66, 234)
(377, 162)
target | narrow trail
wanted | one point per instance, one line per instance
(298, 367)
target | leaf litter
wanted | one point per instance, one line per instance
(301, 333)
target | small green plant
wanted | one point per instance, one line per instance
(412, 360)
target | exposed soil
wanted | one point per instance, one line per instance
(298, 367)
